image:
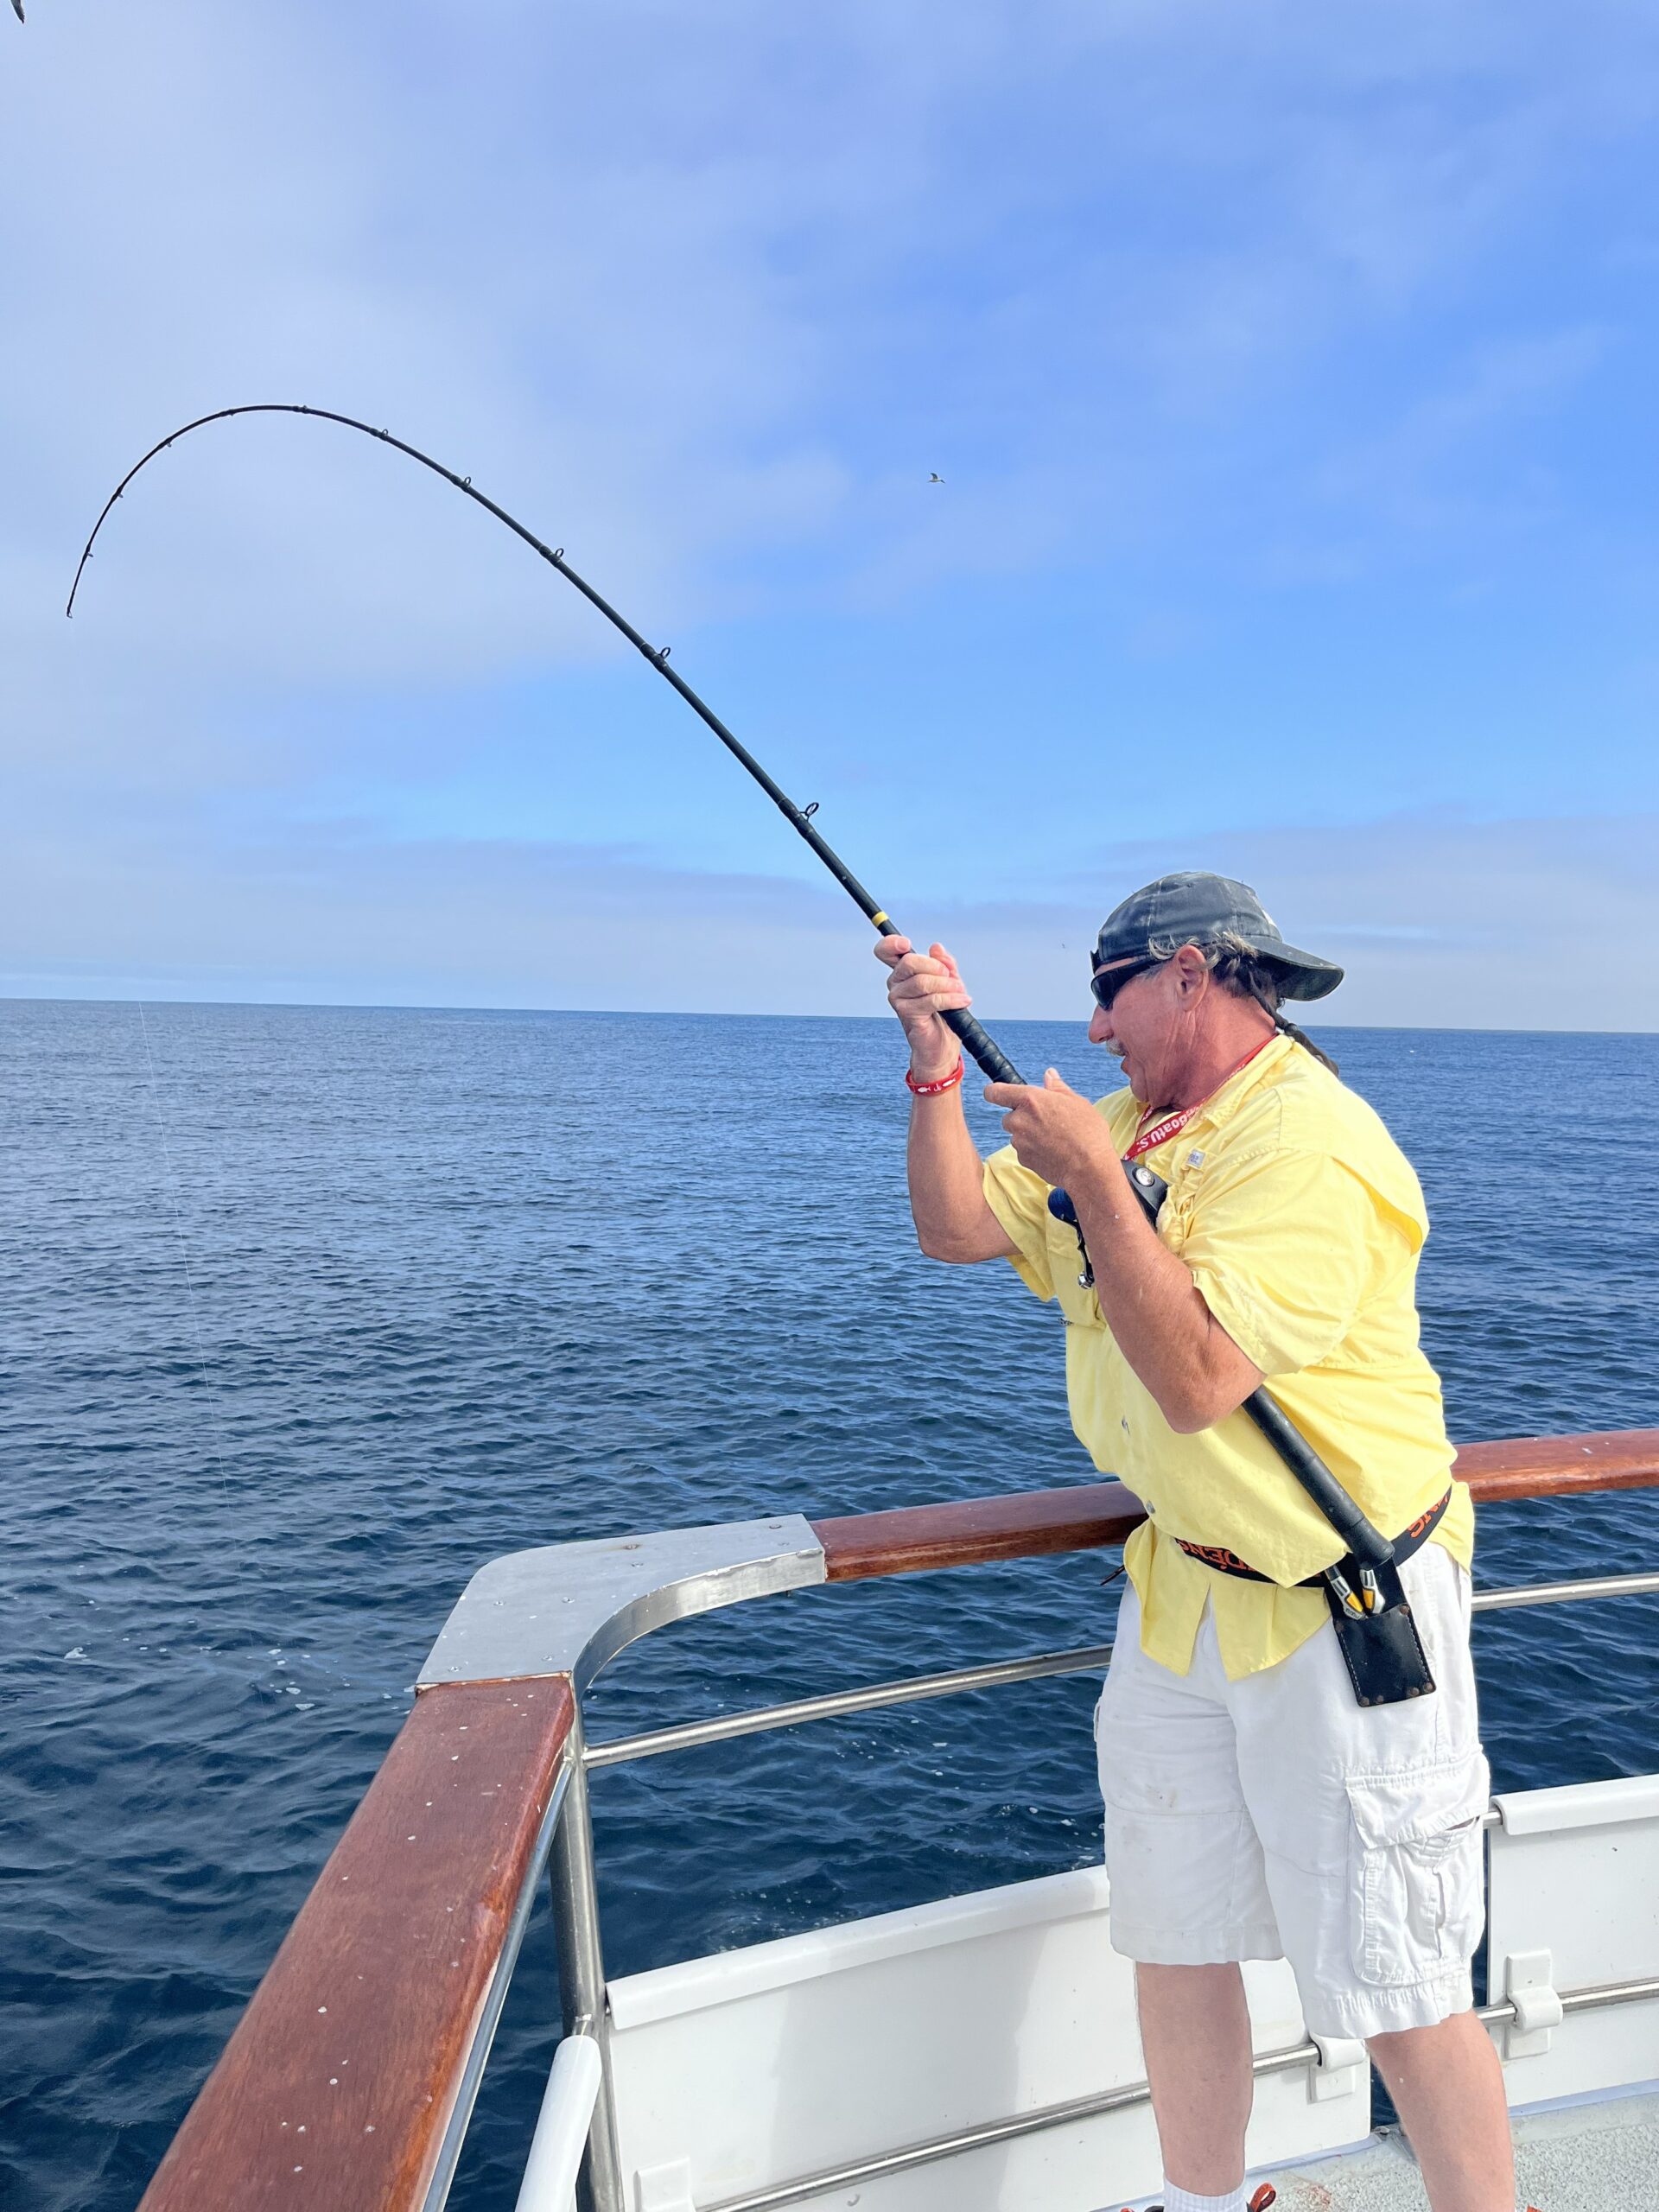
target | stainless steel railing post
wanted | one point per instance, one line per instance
(582, 1977)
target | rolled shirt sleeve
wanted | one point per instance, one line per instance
(1019, 1198)
(1286, 1250)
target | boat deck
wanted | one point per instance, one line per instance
(1585, 2158)
(961, 2055)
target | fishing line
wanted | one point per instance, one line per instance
(974, 1039)
(215, 1436)
(1365, 1544)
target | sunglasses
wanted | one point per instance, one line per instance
(1107, 982)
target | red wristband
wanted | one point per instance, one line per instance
(932, 1089)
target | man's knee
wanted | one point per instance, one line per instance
(1196, 1982)
(1398, 2050)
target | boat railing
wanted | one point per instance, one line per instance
(349, 2082)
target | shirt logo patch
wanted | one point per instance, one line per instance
(1195, 1159)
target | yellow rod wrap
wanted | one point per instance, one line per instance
(878, 918)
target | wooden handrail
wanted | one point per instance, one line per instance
(1559, 1467)
(1021, 1524)
(336, 2087)
(334, 2091)
(1026, 1524)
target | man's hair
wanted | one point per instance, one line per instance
(1242, 972)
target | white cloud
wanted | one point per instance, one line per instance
(1528, 925)
(690, 290)
(704, 294)
(1454, 922)
(1416, 473)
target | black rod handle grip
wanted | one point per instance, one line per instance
(976, 1039)
(980, 1045)
(1368, 1543)
(1365, 1541)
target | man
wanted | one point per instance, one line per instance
(1254, 1810)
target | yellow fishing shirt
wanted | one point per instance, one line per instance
(1301, 1221)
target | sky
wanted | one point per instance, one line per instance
(1290, 373)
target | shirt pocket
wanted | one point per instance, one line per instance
(1417, 1893)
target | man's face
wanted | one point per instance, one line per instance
(1148, 1027)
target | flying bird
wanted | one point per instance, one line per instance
(934, 478)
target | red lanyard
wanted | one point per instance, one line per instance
(1173, 1124)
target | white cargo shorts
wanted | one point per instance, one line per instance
(1273, 1817)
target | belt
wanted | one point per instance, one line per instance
(1347, 1568)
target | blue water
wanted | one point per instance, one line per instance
(310, 1312)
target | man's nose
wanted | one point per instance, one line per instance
(1100, 1027)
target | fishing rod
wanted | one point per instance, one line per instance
(975, 1040)
(1400, 1659)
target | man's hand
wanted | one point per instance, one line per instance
(947, 1180)
(1055, 1132)
(922, 985)
(1148, 1299)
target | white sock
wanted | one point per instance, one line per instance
(1183, 2200)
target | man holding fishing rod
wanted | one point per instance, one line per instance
(1272, 1787)
(1288, 1746)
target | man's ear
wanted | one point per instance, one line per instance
(1191, 970)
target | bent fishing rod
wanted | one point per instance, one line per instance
(1365, 1543)
(974, 1038)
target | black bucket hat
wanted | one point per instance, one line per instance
(1194, 908)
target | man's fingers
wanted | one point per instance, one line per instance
(915, 968)
(1004, 1094)
(921, 985)
(916, 963)
(899, 954)
(927, 993)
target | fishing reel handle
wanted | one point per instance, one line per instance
(977, 1042)
(1150, 1189)
(1366, 1540)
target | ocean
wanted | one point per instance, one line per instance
(312, 1310)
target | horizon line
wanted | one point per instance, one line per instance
(693, 1013)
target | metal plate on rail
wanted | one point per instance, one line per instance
(568, 1609)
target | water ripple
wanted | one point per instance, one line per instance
(419, 1289)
